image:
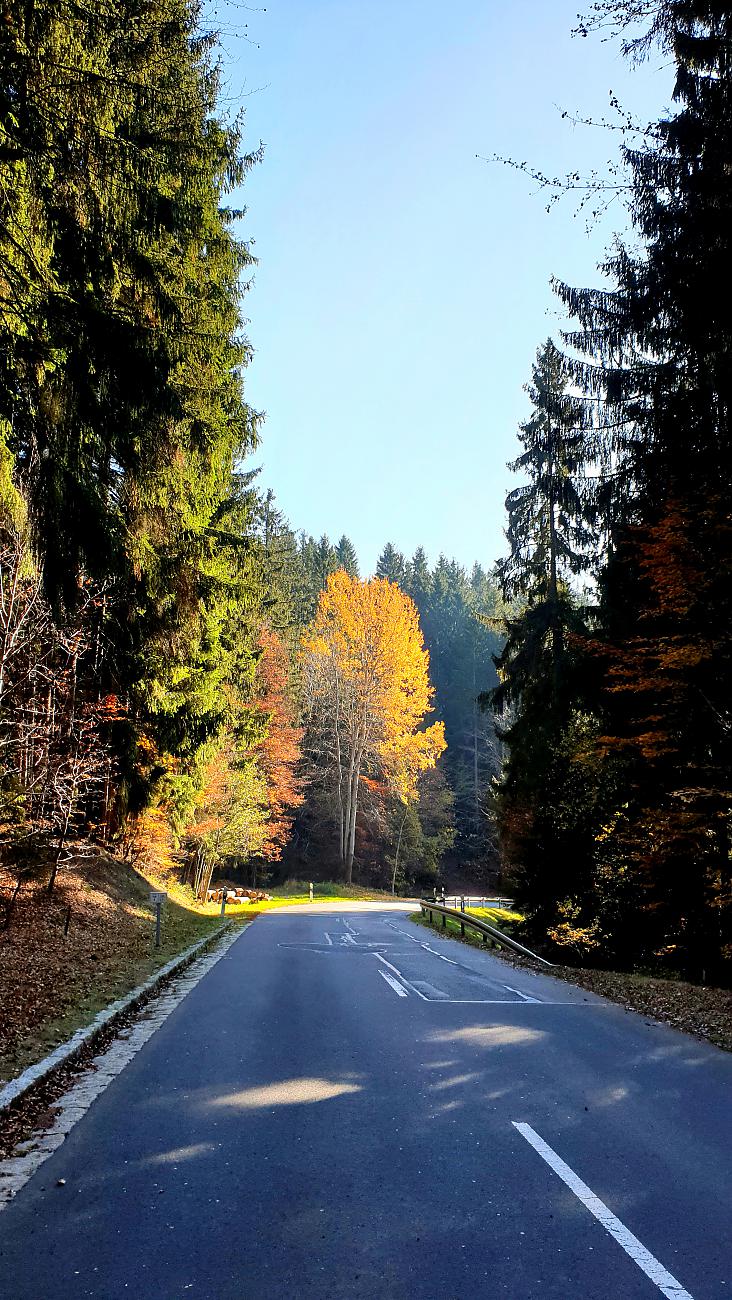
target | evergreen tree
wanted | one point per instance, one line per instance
(390, 564)
(121, 405)
(418, 580)
(346, 558)
(549, 539)
(656, 352)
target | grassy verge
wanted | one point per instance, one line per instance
(328, 891)
(496, 916)
(52, 983)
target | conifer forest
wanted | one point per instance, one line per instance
(194, 687)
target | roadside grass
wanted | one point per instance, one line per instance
(325, 891)
(497, 916)
(52, 984)
(501, 917)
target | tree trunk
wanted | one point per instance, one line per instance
(399, 845)
(353, 799)
(60, 849)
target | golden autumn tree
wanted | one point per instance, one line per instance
(367, 693)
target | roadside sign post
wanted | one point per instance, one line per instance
(224, 897)
(311, 891)
(157, 898)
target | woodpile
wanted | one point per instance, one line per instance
(237, 895)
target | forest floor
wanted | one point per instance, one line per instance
(697, 1009)
(52, 983)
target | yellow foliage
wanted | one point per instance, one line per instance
(367, 643)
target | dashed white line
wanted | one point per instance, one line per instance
(398, 988)
(438, 954)
(328, 940)
(653, 1269)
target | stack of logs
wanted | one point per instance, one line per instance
(236, 895)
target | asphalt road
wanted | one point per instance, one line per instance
(333, 1111)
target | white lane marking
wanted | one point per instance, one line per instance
(647, 1262)
(403, 933)
(405, 981)
(491, 1002)
(328, 939)
(524, 996)
(439, 954)
(379, 957)
(349, 927)
(396, 987)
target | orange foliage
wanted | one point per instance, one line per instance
(279, 753)
(152, 841)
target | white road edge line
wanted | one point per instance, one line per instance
(524, 996)
(396, 987)
(439, 954)
(411, 987)
(653, 1269)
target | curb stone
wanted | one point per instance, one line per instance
(30, 1154)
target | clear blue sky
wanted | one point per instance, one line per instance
(403, 284)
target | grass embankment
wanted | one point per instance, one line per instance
(52, 984)
(696, 1009)
(497, 916)
(327, 891)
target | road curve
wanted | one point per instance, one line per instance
(348, 1106)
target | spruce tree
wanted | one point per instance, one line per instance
(390, 565)
(346, 558)
(655, 350)
(549, 539)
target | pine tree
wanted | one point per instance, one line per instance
(121, 404)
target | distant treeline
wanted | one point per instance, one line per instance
(461, 619)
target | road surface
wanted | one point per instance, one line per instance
(348, 1106)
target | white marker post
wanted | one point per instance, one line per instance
(157, 898)
(311, 891)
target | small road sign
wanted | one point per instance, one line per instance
(158, 896)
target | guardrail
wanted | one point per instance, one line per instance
(475, 900)
(488, 932)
